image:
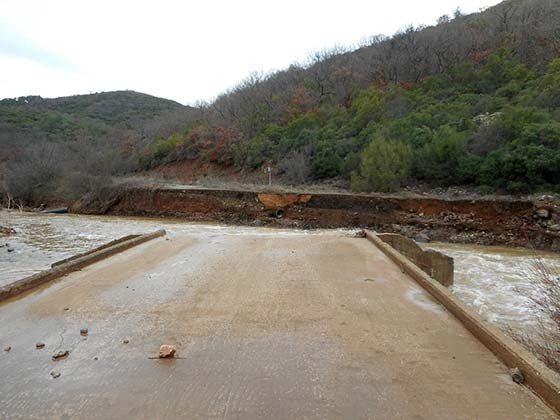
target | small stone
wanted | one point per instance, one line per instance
(39, 345)
(8, 348)
(422, 237)
(8, 230)
(84, 331)
(517, 376)
(55, 374)
(543, 213)
(167, 351)
(96, 358)
(126, 341)
(555, 227)
(66, 309)
(61, 354)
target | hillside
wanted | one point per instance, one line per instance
(64, 118)
(471, 101)
(87, 136)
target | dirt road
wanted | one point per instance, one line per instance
(295, 326)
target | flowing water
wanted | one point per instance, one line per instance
(496, 281)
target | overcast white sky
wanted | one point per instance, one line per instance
(183, 50)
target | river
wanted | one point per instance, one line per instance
(496, 281)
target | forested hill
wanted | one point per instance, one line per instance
(69, 117)
(66, 146)
(473, 100)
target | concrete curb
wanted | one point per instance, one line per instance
(76, 263)
(91, 251)
(542, 380)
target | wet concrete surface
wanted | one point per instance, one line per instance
(43, 239)
(299, 326)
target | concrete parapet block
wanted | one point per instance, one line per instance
(437, 265)
(543, 381)
(92, 251)
(75, 263)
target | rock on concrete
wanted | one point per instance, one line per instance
(167, 351)
(61, 354)
(517, 376)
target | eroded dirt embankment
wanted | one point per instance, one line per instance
(486, 222)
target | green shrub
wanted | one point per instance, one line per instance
(438, 161)
(550, 87)
(325, 163)
(384, 166)
(368, 105)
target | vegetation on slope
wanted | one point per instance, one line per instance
(66, 147)
(495, 125)
(470, 101)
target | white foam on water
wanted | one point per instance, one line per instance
(498, 282)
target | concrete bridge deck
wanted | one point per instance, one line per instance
(296, 326)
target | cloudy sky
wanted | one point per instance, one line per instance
(183, 50)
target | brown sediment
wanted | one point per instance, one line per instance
(270, 200)
(484, 222)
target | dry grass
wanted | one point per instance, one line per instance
(544, 341)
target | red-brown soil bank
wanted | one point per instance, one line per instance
(483, 221)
